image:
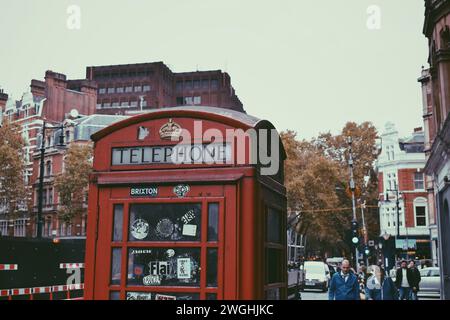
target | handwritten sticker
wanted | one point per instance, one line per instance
(183, 268)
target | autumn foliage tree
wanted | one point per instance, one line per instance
(317, 177)
(13, 193)
(73, 182)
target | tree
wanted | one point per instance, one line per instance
(317, 176)
(310, 182)
(12, 169)
(363, 138)
(72, 183)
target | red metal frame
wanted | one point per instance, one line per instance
(239, 189)
(106, 245)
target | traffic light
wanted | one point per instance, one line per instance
(355, 234)
(366, 250)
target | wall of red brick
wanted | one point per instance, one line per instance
(406, 179)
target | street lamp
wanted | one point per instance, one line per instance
(397, 202)
(352, 188)
(41, 172)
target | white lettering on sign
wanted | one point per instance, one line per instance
(179, 154)
(144, 191)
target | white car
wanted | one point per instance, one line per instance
(430, 282)
(317, 275)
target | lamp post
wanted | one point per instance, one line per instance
(352, 188)
(397, 203)
(41, 172)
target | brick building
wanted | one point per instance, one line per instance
(132, 88)
(436, 105)
(52, 100)
(400, 167)
(99, 100)
(76, 131)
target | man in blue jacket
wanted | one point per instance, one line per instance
(344, 285)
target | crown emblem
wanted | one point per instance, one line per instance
(170, 131)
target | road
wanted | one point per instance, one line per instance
(311, 294)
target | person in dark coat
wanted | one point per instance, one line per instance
(416, 280)
(404, 281)
(344, 285)
(380, 287)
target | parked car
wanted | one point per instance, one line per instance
(430, 281)
(317, 275)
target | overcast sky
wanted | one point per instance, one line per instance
(308, 66)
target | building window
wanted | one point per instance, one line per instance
(106, 105)
(115, 104)
(188, 101)
(179, 85)
(197, 100)
(119, 89)
(48, 227)
(48, 168)
(144, 103)
(197, 84)
(134, 104)
(49, 141)
(129, 89)
(50, 196)
(99, 106)
(69, 229)
(111, 90)
(83, 226)
(147, 88)
(188, 85)
(180, 101)
(124, 104)
(102, 90)
(421, 216)
(20, 227)
(137, 88)
(3, 228)
(214, 83)
(62, 228)
(418, 181)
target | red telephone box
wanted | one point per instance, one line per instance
(179, 209)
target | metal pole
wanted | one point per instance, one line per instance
(41, 185)
(352, 188)
(364, 232)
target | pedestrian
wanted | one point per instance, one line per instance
(416, 280)
(344, 285)
(404, 281)
(363, 275)
(380, 286)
